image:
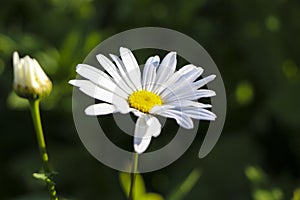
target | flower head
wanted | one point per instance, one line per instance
(159, 90)
(30, 81)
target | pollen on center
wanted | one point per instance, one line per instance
(143, 100)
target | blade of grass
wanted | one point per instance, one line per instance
(186, 186)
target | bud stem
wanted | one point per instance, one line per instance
(35, 112)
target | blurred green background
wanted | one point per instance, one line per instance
(256, 47)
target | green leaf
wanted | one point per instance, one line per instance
(182, 190)
(15, 102)
(139, 189)
(255, 175)
(274, 194)
(296, 194)
(43, 177)
(151, 196)
(40, 176)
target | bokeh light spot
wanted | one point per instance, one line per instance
(272, 23)
(244, 93)
(290, 69)
(16, 103)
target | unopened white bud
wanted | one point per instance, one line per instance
(30, 81)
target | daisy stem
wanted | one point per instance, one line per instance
(35, 112)
(133, 176)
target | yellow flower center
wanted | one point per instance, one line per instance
(143, 100)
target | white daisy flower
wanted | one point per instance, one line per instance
(159, 90)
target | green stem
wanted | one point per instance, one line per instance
(133, 176)
(35, 112)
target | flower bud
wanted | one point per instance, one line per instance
(30, 81)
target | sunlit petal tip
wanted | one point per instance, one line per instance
(172, 53)
(79, 66)
(155, 61)
(124, 49)
(207, 105)
(156, 58)
(207, 93)
(210, 78)
(169, 60)
(72, 82)
(100, 109)
(16, 58)
(213, 116)
(172, 56)
(213, 76)
(200, 69)
(213, 93)
(89, 111)
(100, 56)
(189, 126)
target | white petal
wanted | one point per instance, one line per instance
(123, 72)
(204, 81)
(149, 73)
(112, 70)
(100, 109)
(108, 66)
(39, 72)
(165, 69)
(153, 123)
(159, 109)
(164, 87)
(177, 91)
(204, 93)
(100, 78)
(190, 72)
(145, 72)
(190, 68)
(16, 58)
(142, 138)
(137, 113)
(90, 72)
(186, 74)
(188, 94)
(155, 126)
(21, 73)
(190, 108)
(132, 67)
(96, 92)
(184, 89)
(29, 69)
(18, 73)
(198, 113)
(182, 119)
(181, 81)
(146, 127)
(189, 103)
